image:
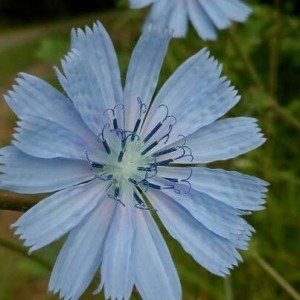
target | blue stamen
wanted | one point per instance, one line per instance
(106, 147)
(171, 179)
(120, 157)
(138, 199)
(133, 181)
(163, 162)
(149, 147)
(137, 124)
(115, 123)
(116, 196)
(152, 132)
(163, 152)
(93, 164)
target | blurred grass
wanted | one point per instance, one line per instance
(277, 239)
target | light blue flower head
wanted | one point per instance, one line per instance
(115, 157)
(205, 15)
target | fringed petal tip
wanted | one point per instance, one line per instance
(79, 34)
(25, 240)
(15, 87)
(14, 226)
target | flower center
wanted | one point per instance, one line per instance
(135, 160)
(126, 164)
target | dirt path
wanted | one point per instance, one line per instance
(15, 39)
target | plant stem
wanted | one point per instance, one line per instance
(283, 113)
(228, 288)
(276, 276)
(248, 64)
(274, 50)
(18, 249)
(16, 202)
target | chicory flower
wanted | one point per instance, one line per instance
(113, 157)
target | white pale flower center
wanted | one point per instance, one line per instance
(130, 162)
(127, 167)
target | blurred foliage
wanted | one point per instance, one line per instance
(291, 7)
(270, 39)
(28, 11)
(18, 11)
(52, 48)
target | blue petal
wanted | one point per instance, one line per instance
(82, 86)
(219, 218)
(46, 139)
(143, 71)
(58, 214)
(81, 255)
(235, 10)
(118, 258)
(232, 188)
(215, 253)
(195, 95)
(98, 52)
(222, 12)
(35, 97)
(225, 139)
(26, 174)
(155, 273)
(171, 15)
(92, 76)
(216, 14)
(201, 21)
